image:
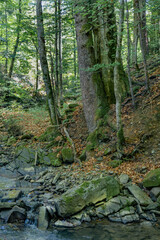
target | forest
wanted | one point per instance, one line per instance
(80, 111)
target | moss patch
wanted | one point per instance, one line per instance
(67, 155)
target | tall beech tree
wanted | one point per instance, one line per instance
(19, 16)
(142, 40)
(44, 64)
(117, 87)
(96, 42)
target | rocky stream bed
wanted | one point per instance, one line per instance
(54, 197)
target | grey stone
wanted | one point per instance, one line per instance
(86, 218)
(56, 178)
(63, 223)
(156, 191)
(126, 215)
(43, 218)
(149, 217)
(146, 224)
(114, 205)
(6, 205)
(152, 179)
(130, 218)
(141, 196)
(152, 206)
(12, 196)
(123, 178)
(51, 210)
(16, 214)
(90, 192)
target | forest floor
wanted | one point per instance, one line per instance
(141, 129)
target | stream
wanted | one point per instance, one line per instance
(101, 230)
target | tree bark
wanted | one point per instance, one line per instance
(6, 54)
(128, 55)
(37, 71)
(142, 43)
(44, 64)
(17, 40)
(142, 8)
(135, 36)
(56, 53)
(60, 52)
(117, 88)
(96, 42)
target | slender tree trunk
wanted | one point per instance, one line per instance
(142, 8)
(37, 71)
(17, 41)
(117, 88)
(60, 52)
(6, 54)
(52, 68)
(44, 64)
(135, 37)
(128, 55)
(74, 50)
(56, 53)
(140, 26)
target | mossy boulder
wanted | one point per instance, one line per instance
(24, 156)
(67, 155)
(86, 194)
(50, 159)
(152, 179)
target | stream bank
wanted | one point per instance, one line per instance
(55, 196)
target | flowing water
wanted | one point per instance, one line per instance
(100, 230)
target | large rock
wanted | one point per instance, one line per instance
(16, 214)
(24, 155)
(152, 179)
(12, 196)
(114, 205)
(125, 215)
(43, 218)
(67, 155)
(88, 193)
(140, 195)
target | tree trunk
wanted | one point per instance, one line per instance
(86, 78)
(117, 88)
(128, 55)
(135, 37)
(96, 44)
(60, 52)
(56, 53)
(142, 44)
(17, 41)
(37, 71)
(142, 8)
(44, 64)
(6, 54)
